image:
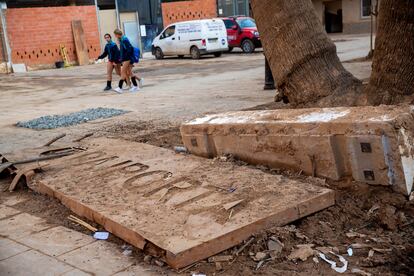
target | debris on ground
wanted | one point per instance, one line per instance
(220, 258)
(180, 149)
(101, 235)
(83, 223)
(339, 269)
(55, 121)
(303, 252)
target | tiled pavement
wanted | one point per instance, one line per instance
(31, 246)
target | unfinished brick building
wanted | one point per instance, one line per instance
(36, 30)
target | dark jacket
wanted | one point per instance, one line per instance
(127, 50)
(112, 51)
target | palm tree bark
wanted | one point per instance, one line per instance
(392, 75)
(303, 59)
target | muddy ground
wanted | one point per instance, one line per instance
(177, 90)
(370, 219)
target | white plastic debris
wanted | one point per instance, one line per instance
(350, 251)
(333, 264)
(101, 235)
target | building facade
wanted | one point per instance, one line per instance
(345, 16)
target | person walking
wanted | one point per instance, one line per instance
(128, 60)
(114, 60)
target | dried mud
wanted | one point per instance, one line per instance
(378, 217)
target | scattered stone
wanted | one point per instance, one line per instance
(55, 121)
(275, 247)
(371, 253)
(219, 266)
(259, 256)
(159, 263)
(299, 235)
(411, 197)
(315, 260)
(388, 218)
(147, 259)
(303, 252)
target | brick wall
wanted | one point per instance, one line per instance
(188, 10)
(36, 33)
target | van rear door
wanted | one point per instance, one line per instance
(215, 35)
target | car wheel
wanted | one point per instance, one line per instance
(158, 53)
(195, 52)
(218, 54)
(248, 46)
(231, 49)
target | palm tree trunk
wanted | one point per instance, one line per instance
(392, 75)
(303, 59)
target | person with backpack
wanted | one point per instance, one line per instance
(114, 60)
(128, 59)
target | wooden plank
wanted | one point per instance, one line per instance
(188, 223)
(80, 42)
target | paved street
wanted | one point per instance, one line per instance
(31, 246)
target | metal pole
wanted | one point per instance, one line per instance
(118, 19)
(269, 81)
(6, 40)
(99, 24)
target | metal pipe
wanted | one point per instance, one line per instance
(118, 19)
(99, 24)
(6, 40)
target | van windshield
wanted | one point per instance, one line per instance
(246, 23)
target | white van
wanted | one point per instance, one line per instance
(195, 38)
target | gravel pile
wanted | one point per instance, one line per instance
(55, 121)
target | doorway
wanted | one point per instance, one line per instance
(333, 16)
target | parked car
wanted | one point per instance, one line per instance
(242, 32)
(195, 38)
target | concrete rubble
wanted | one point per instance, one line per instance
(369, 144)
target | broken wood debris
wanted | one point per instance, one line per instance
(83, 223)
(83, 137)
(220, 258)
(231, 205)
(60, 136)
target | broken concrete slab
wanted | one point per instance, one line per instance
(371, 144)
(172, 205)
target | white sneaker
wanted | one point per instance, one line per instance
(118, 90)
(134, 89)
(141, 82)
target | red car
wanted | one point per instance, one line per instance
(242, 32)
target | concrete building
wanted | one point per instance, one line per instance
(346, 16)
